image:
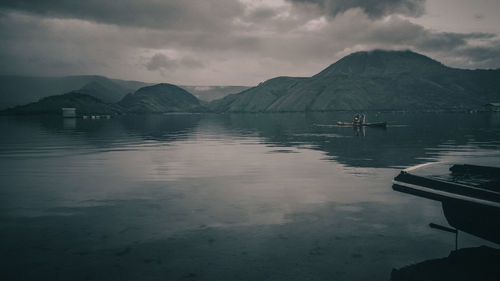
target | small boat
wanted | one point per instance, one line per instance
(470, 194)
(359, 120)
(351, 124)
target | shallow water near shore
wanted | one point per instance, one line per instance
(285, 196)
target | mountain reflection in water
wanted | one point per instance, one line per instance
(285, 196)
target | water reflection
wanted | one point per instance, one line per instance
(47, 133)
(69, 123)
(409, 139)
(160, 127)
(212, 197)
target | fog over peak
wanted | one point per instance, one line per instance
(227, 42)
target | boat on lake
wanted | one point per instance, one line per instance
(359, 120)
(379, 124)
(470, 194)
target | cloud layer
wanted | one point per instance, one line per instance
(374, 9)
(220, 42)
(180, 15)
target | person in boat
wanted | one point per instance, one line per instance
(359, 119)
(356, 119)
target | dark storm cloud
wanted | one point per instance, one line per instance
(373, 8)
(163, 62)
(485, 56)
(218, 41)
(185, 14)
(403, 32)
(160, 61)
(437, 41)
(262, 13)
(478, 16)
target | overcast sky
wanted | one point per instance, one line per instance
(236, 42)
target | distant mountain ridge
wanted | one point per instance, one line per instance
(85, 104)
(210, 93)
(17, 90)
(160, 98)
(374, 80)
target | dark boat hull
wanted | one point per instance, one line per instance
(479, 220)
(470, 199)
(380, 124)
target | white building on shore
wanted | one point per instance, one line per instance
(69, 112)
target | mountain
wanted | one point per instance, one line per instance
(160, 98)
(105, 90)
(210, 93)
(84, 103)
(131, 85)
(17, 90)
(374, 80)
(255, 99)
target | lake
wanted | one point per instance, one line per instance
(286, 196)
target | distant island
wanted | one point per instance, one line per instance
(373, 80)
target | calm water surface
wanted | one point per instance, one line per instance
(225, 197)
